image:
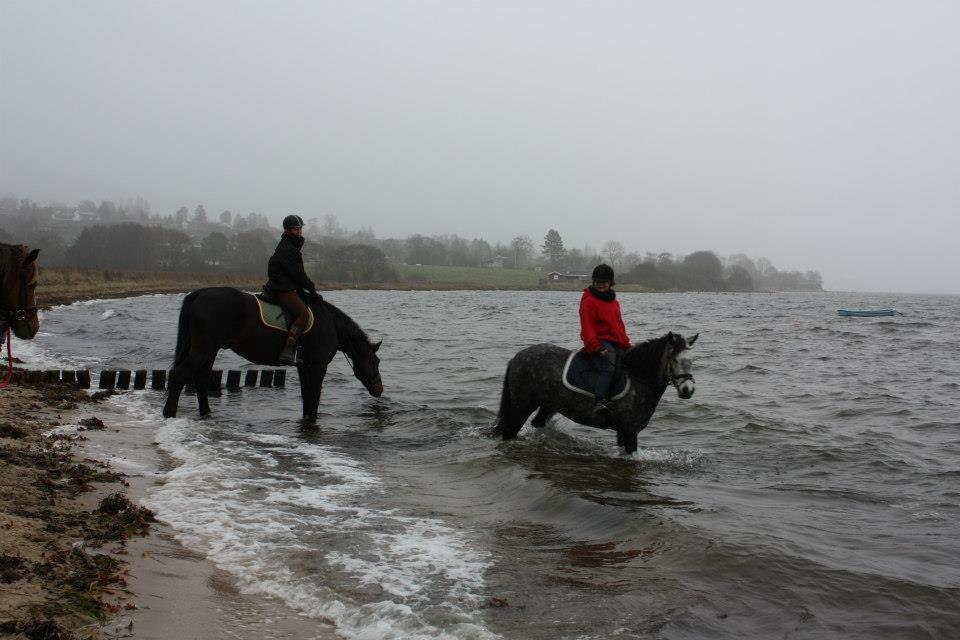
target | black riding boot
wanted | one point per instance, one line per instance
(289, 353)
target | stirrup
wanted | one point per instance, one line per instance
(289, 355)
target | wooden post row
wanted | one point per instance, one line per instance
(122, 378)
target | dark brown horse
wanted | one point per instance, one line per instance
(18, 281)
(223, 318)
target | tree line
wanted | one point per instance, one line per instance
(130, 236)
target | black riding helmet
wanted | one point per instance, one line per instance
(292, 221)
(603, 272)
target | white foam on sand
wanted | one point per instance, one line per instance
(391, 575)
(36, 356)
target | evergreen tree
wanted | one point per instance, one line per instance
(553, 248)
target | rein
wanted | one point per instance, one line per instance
(17, 315)
(6, 380)
(350, 361)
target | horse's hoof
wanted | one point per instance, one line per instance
(167, 413)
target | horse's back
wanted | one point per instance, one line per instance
(224, 307)
(538, 361)
(539, 352)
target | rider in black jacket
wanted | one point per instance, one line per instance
(289, 283)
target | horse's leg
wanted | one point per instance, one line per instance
(311, 383)
(181, 375)
(628, 436)
(515, 408)
(513, 419)
(540, 420)
(202, 383)
(174, 387)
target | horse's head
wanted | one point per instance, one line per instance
(366, 364)
(677, 362)
(18, 280)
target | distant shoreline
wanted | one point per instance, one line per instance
(60, 285)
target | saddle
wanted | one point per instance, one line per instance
(579, 375)
(274, 316)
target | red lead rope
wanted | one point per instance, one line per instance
(6, 380)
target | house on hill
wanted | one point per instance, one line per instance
(556, 276)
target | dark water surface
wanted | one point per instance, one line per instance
(809, 489)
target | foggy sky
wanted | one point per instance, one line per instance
(822, 135)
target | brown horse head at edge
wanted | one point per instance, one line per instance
(18, 283)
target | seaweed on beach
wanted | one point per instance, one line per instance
(45, 630)
(8, 430)
(11, 568)
(117, 519)
(78, 581)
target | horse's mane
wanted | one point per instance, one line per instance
(343, 322)
(644, 360)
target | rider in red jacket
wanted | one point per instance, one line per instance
(602, 331)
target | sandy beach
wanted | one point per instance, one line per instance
(65, 520)
(79, 558)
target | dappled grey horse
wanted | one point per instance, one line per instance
(534, 380)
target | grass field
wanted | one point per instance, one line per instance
(434, 277)
(63, 285)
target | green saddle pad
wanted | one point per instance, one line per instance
(276, 317)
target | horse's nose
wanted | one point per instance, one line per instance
(377, 390)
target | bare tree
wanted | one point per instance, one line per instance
(613, 251)
(522, 248)
(331, 226)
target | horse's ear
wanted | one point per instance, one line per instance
(31, 257)
(376, 347)
(692, 340)
(670, 337)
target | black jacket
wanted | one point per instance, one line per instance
(285, 269)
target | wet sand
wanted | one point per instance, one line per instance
(80, 559)
(64, 520)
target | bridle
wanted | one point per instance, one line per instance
(676, 379)
(679, 379)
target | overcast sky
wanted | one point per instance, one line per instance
(820, 134)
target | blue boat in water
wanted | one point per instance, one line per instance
(866, 313)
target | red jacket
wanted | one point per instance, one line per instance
(601, 320)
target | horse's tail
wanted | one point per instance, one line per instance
(183, 330)
(506, 402)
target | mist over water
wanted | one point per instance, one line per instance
(809, 488)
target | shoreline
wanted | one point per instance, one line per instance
(72, 567)
(60, 286)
